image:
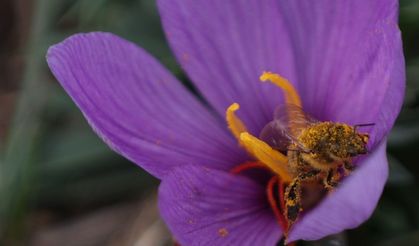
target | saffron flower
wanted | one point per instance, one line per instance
(342, 60)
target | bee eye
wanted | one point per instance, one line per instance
(363, 151)
(352, 153)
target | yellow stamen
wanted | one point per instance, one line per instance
(291, 95)
(235, 125)
(273, 159)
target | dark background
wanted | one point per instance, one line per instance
(60, 185)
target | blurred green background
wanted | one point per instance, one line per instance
(60, 185)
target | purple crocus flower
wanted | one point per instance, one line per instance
(343, 57)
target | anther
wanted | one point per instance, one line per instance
(290, 93)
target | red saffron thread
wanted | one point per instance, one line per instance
(278, 209)
(274, 205)
(246, 166)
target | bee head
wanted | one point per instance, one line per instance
(345, 141)
(357, 144)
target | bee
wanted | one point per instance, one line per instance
(319, 152)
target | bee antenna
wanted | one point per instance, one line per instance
(363, 125)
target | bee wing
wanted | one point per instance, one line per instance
(294, 118)
(289, 121)
(275, 134)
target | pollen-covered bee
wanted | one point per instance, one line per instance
(318, 152)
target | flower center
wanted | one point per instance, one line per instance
(310, 153)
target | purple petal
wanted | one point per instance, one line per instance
(350, 204)
(137, 107)
(204, 206)
(350, 60)
(224, 46)
(345, 57)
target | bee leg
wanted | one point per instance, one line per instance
(331, 180)
(307, 176)
(293, 201)
(348, 167)
(293, 206)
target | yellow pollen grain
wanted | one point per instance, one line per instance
(311, 135)
(291, 95)
(235, 125)
(273, 159)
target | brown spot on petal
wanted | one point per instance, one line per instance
(223, 232)
(185, 57)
